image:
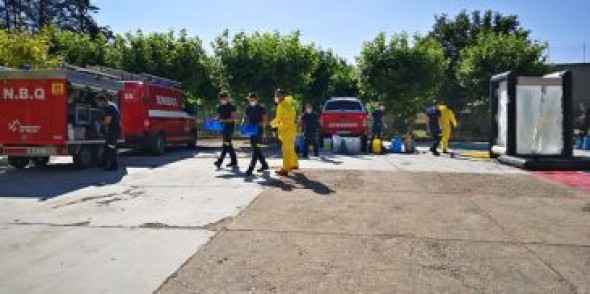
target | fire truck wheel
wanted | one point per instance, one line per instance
(18, 162)
(83, 159)
(41, 161)
(97, 155)
(158, 144)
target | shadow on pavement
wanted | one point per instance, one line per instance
(299, 181)
(57, 179)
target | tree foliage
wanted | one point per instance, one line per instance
(34, 15)
(332, 77)
(262, 62)
(461, 32)
(495, 53)
(21, 48)
(402, 73)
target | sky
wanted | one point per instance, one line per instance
(343, 25)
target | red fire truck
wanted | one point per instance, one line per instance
(47, 113)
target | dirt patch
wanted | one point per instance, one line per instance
(220, 225)
(108, 198)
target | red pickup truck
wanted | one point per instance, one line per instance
(345, 116)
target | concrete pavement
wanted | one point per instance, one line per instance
(358, 224)
(325, 231)
(70, 231)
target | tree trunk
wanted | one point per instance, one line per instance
(42, 17)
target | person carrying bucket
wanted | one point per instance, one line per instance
(256, 116)
(310, 123)
(447, 123)
(286, 126)
(226, 113)
(433, 114)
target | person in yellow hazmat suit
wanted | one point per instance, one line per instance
(447, 123)
(286, 125)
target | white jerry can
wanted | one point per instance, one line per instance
(327, 144)
(337, 144)
(353, 145)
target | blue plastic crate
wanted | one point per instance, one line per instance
(249, 130)
(212, 125)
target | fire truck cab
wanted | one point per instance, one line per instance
(52, 112)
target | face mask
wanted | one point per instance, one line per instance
(252, 103)
(277, 99)
(223, 102)
(308, 110)
(381, 108)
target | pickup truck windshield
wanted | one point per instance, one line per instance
(343, 106)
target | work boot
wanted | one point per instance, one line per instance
(263, 168)
(232, 164)
(434, 151)
(249, 171)
(217, 163)
(282, 173)
(445, 151)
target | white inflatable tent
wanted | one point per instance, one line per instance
(532, 121)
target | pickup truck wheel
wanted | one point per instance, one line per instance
(18, 162)
(41, 161)
(83, 159)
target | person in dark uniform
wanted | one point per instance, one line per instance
(433, 113)
(310, 123)
(377, 127)
(256, 115)
(226, 113)
(112, 125)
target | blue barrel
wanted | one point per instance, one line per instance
(396, 145)
(212, 125)
(586, 143)
(249, 130)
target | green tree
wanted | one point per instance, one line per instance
(494, 53)
(20, 48)
(81, 49)
(262, 62)
(34, 15)
(331, 77)
(175, 56)
(402, 73)
(461, 32)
